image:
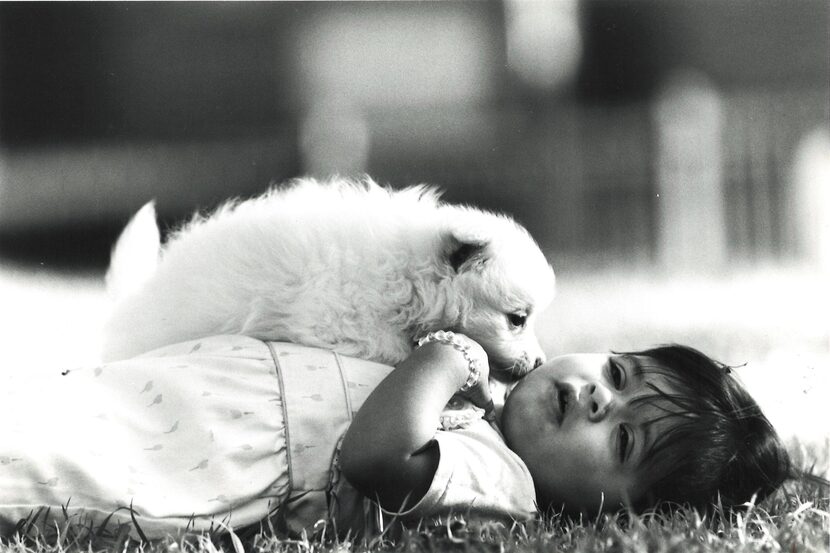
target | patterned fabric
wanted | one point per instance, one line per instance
(477, 476)
(224, 431)
(458, 414)
(323, 390)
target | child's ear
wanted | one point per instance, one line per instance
(465, 254)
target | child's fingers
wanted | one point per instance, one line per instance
(481, 396)
(490, 412)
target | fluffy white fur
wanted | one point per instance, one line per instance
(343, 265)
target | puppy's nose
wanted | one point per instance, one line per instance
(539, 361)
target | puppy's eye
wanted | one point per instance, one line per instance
(517, 320)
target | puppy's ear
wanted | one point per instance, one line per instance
(463, 255)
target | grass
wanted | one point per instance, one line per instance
(796, 528)
(794, 519)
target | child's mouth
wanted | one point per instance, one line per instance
(563, 399)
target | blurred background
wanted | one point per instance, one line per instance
(672, 158)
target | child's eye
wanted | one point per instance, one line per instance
(517, 320)
(624, 440)
(617, 374)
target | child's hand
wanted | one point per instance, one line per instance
(479, 394)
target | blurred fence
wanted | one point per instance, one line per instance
(763, 133)
(583, 178)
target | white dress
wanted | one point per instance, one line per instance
(217, 433)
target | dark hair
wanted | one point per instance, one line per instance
(719, 449)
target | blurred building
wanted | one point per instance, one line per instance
(652, 130)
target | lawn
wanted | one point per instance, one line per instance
(794, 520)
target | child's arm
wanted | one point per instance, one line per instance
(388, 453)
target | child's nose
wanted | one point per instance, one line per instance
(596, 400)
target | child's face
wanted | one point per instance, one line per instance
(572, 422)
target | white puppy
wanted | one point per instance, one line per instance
(343, 265)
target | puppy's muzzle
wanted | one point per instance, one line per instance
(518, 369)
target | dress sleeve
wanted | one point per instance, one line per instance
(477, 474)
